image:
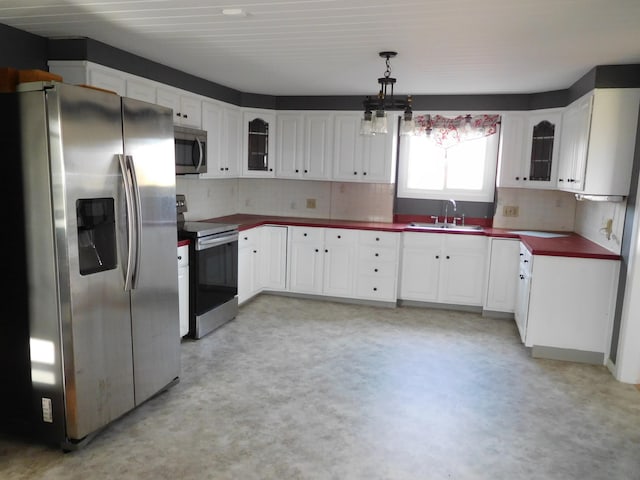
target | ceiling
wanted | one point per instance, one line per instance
(330, 47)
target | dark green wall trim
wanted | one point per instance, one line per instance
(22, 50)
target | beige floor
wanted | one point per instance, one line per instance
(302, 389)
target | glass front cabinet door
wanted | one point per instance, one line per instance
(259, 145)
(541, 150)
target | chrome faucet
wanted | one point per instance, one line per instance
(446, 209)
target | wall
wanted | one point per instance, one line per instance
(22, 50)
(537, 209)
(270, 196)
(591, 219)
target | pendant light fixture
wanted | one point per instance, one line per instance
(374, 120)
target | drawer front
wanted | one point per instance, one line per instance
(377, 269)
(340, 236)
(377, 254)
(376, 238)
(307, 235)
(377, 288)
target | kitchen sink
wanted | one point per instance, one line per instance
(448, 227)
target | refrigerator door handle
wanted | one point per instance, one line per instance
(138, 219)
(128, 195)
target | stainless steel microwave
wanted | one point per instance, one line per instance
(191, 150)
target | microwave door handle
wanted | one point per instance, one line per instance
(201, 154)
(128, 197)
(138, 220)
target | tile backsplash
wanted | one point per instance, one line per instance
(592, 219)
(295, 198)
(536, 209)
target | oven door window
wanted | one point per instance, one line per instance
(216, 276)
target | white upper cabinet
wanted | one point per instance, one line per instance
(362, 158)
(598, 142)
(88, 73)
(141, 90)
(187, 110)
(529, 149)
(304, 145)
(223, 124)
(258, 157)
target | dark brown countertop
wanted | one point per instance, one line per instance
(573, 245)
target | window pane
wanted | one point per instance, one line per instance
(465, 165)
(426, 165)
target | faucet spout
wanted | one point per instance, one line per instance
(446, 209)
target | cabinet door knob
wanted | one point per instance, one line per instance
(184, 116)
(297, 170)
(355, 173)
(375, 269)
(375, 289)
(221, 168)
(377, 239)
(517, 178)
(304, 234)
(316, 249)
(377, 254)
(364, 173)
(521, 277)
(526, 261)
(561, 180)
(437, 256)
(226, 168)
(246, 238)
(271, 169)
(179, 257)
(339, 236)
(326, 251)
(306, 171)
(448, 257)
(255, 251)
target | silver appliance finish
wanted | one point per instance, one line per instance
(105, 342)
(211, 272)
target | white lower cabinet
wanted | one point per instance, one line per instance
(570, 307)
(377, 266)
(261, 260)
(273, 257)
(348, 263)
(183, 289)
(248, 264)
(322, 260)
(502, 276)
(443, 268)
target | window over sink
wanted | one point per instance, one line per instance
(431, 166)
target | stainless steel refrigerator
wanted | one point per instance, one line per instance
(94, 265)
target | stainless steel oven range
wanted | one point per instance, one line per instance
(213, 275)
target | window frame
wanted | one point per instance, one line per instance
(486, 194)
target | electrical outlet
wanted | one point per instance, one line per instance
(510, 211)
(311, 203)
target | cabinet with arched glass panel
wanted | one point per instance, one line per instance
(529, 149)
(259, 144)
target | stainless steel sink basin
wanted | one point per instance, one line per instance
(448, 227)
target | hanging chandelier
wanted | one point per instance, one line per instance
(374, 120)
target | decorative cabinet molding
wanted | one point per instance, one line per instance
(529, 149)
(598, 142)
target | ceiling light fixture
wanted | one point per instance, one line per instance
(374, 120)
(234, 12)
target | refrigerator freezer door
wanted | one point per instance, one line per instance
(85, 138)
(149, 147)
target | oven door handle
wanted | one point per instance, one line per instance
(207, 242)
